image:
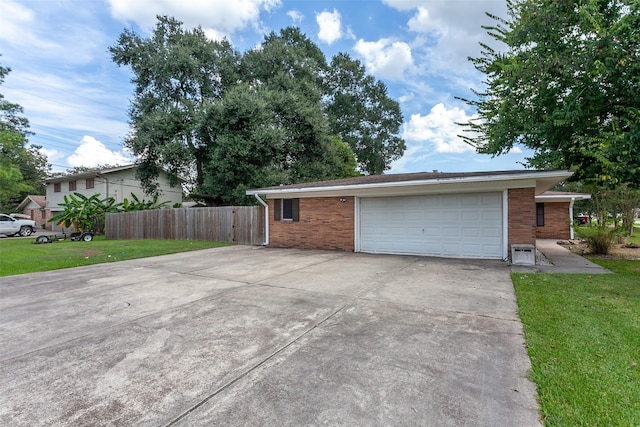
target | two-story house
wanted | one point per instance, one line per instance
(118, 182)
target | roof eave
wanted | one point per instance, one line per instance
(541, 180)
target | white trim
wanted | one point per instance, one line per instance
(571, 231)
(424, 182)
(505, 224)
(266, 219)
(356, 224)
(558, 198)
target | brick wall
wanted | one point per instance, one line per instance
(40, 216)
(522, 216)
(556, 225)
(325, 223)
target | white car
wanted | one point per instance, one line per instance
(11, 226)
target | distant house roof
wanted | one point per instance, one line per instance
(419, 183)
(41, 201)
(95, 173)
(89, 174)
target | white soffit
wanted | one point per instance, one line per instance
(540, 180)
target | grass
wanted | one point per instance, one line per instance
(19, 256)
(583, 338)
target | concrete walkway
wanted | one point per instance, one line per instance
(243, 336)
(562, 260)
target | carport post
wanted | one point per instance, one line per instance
(571, 231)
(266, 219)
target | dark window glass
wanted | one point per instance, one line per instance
(540, 214)
(72, 186)
(287, 209)
(56, 187)
(89, 183)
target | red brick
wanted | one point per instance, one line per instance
(522, 216)
(325, 223)
(556, 222)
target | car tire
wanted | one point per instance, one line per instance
(42, 239)
(25, 231)
(87, 237)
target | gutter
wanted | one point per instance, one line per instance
(438, 181)
(266, 219)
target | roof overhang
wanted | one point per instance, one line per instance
(561, 197)
(540, 180)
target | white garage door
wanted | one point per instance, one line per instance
(455, 225)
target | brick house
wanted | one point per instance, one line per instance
(554, 214)
(35, 207)
(465, 215)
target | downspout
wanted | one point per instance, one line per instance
(571, 231)
(266, 219)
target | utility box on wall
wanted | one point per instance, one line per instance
(523, 255)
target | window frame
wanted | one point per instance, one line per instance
(57, 187)
(89, 183)
(73, 186)
(540, 214)
(279, 210)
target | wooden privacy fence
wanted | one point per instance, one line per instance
(242, 225)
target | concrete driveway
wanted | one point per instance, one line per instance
(253, 336)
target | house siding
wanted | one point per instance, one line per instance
(556, 222)
(325, 223)
(522, 216)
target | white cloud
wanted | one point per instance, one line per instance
(52, 154)
(439, 129)
(456, 29)
(386, 58)
(515, 150)
(16, 26)
(420, 22)
(91, 153)
(13, 19)
(330, 26)
(406, 98)
(215, 16)
(295, 16)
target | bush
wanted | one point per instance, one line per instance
(599, 239)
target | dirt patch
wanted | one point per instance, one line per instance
(618, 250)
(90, 252)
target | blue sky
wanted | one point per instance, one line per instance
(76, 98)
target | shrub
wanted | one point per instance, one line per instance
(599, 239)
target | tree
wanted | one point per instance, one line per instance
(177, 73)
(243, 121)
(271, 129)
(567, 87)
(22, 168)
(85, 213)
(361, 113)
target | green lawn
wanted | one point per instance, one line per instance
(19, 256)
(583, 337)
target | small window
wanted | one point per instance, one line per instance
(286, 210)
(56, 187)
(43, 214)
(89, 183)
(72, 186)
(540, 214)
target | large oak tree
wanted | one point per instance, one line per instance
(265, 117)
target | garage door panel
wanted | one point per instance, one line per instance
(460, 225)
